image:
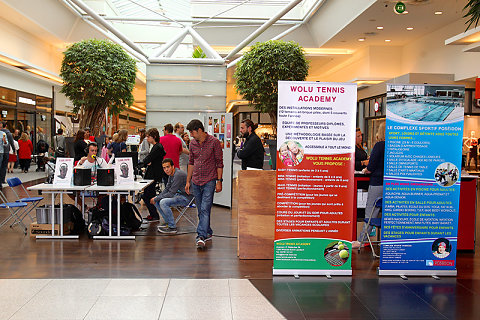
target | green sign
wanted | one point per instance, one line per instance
(313, 254)
(400, 7)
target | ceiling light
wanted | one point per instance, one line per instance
(387, 40)
(379, 27)
(410, 28)
(45, 75)
(138, 110)
(10, 61)
(438, 12)
(361, 39)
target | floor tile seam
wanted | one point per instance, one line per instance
(429, 304)
(360, 300)
(466, 288)
(91, 307)
(296, 302)
(164, 298)
(230, 299)
(31, 298)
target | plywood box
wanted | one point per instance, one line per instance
(43, 229)
(256, 213)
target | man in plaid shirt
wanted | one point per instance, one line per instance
(204, 177)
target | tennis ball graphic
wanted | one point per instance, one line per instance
(341, 247)
(340, 242)
(343, 254)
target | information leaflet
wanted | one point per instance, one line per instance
(315, 167)
(421, 188)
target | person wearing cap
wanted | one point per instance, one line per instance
(441, 251)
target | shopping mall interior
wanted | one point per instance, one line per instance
(364, 42)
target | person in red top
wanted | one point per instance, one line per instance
(205, 170)
(88, 137)
(172, 145)
(25, 149)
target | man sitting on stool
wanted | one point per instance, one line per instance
(173, 195)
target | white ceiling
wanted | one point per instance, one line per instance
(420, 16)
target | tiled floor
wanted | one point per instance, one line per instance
(153, 259)
(141, 299)
(384, 298)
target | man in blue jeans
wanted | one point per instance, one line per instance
(205, 170)
(173, 195)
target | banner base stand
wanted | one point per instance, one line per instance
(306, 272)
(420, 273)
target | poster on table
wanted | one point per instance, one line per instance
(124, 171)
(421, 188)
(315, 166)
(63, 172)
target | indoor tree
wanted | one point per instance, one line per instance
(473, 13)
(260, 69)
(97, 74)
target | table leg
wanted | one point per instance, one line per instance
(60, 233)
(118, 215)
(53, 214)
(109, 214)
(61, 214)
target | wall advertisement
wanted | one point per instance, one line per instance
(315, 166)
(421, 188)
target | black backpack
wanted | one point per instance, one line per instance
(130, 216)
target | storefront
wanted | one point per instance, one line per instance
(373, 115)
(28, 113)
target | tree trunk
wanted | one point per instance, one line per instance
(93, 118)
(273, 120)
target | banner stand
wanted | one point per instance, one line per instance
(421, 273)
(315, 178)
(421, 183)
(304, 272)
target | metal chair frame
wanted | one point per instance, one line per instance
(182, 210)
(14, 208)
(374, 222)
(32, 202)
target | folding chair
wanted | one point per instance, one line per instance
(182, 212)
(14, 208)
(32, 202)
(374, 222)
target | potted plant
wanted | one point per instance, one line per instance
(259, 71)
(97, 74)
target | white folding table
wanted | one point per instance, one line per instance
(53, 190)
(119, 190)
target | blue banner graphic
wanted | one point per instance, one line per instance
(421, 188)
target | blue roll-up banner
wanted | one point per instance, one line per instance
(421, 187)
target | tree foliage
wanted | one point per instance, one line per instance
(198, 53)
(260, 69)
(97, 74)
(473, 13)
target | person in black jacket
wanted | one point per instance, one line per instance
(153, 162)
(79, 146)
(252, 151)
(375, 168)
(361, 157)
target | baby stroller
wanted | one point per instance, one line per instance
(50, 166)
(42, 149)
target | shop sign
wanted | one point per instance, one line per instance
(376, 106)
(26, 101)
(314, 189)
(4, 113)
(421, 188)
